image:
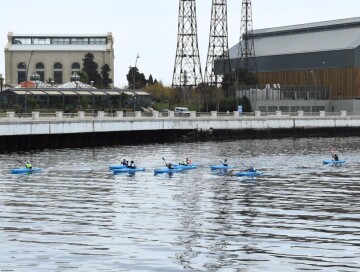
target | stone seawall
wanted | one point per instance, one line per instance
(27, 134)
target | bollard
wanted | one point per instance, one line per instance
(10, 115)
(343, 113)
(236, 113)
(278, 113)
(100, 114)
(171, 114)
(35, 115)
(300, 113)
(322, 113)
(138, 114)
(81, 114)
(192, 114)
(214, 114)
(59, 114)
(120, 114)
(257, 113)
(155, 114)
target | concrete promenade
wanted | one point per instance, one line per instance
(61, 123)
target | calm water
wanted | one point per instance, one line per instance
(78, 216)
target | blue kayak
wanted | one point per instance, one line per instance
(216, 167)
(25, 170)
(128, 170)
(167, 170)
(333, 162)
(186, 166)
(116, 166)
(248, 174)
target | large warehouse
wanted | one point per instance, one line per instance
(54, 57)
(323, 54)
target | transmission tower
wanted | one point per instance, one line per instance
(246, 52)
(218, 49)
(187, 69)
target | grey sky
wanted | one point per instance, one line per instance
(149, 27)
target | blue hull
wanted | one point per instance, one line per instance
(248, 174)
(186, 167)
(128, 170)
(216, 167)
(333, 162)
(24, 170)
(116, 166)
(167, 170)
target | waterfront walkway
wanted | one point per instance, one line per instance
(60, 123)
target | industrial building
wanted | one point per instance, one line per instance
(54, 57)
(310, 64)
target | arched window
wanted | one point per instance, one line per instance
(40, 68)
(21, 71)
(58, 75)
(75, 67)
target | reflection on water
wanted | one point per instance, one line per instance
(77, 216)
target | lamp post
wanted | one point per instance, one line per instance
(1, 89)
(133, 79)
(26, 78)
(314, 78)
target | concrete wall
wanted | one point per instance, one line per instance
(12, 127)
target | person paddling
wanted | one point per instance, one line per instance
(225, 163)
(169, 165)
(252, 169)
(188, 161)
(132, 165)
(124, 162)
(28, 165)
(335, 157)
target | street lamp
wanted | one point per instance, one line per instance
(314, 78)
(133, 78)
(26, 78)
(1, 89)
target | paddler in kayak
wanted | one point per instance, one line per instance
(188, 161)
(124, 162)
(169, 165)
(335, 157)
(225, 163)
(28, 165)
(252, 169)
(132, 165)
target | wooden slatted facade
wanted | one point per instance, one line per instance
(343, 82)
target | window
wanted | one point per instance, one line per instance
(75, 67)
(58, 76)
(39, 68)
(21, 71)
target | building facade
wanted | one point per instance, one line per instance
(322, 55)
(54, 57)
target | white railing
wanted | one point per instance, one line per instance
(138, 114)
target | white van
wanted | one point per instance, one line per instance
(181, 111)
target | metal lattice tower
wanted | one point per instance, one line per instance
(187, 69)
(246, 52)
(218, 49)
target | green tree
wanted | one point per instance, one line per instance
(105, 77)
(246, 104)
(90, 70)
(135, 79)
(150, 81)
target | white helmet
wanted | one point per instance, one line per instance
(28, 162)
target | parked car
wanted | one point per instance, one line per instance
(181, 111)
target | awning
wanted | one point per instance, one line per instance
(68, 92)
(113, 93)
(51, 92)
(99, 93)
(84, 93)
(37, 92)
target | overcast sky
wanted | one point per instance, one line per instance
(149, 27)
